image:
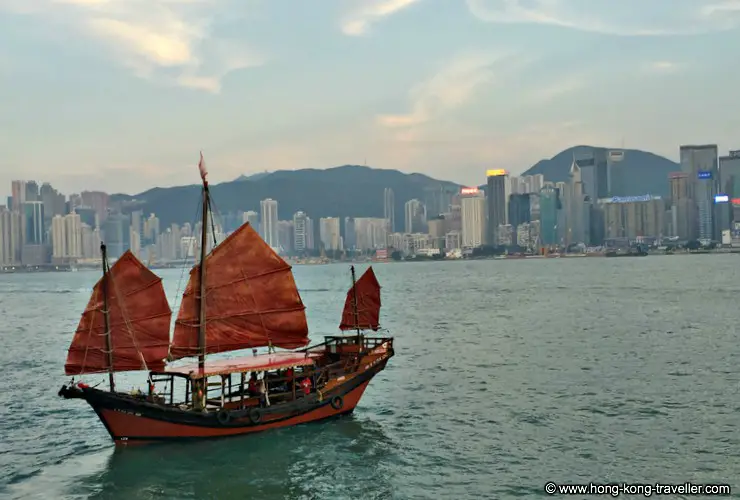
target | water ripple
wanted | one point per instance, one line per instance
(508, 374)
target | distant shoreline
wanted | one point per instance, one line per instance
(66, 268)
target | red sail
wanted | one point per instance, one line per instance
(368, 304)
(251, 300)
(139, 322)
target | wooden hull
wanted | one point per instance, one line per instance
(132, 421)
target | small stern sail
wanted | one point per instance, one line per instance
(251, 300)
(367, 317)
(139, 323)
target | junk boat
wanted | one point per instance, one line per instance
(242, 295)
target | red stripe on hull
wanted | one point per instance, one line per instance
(127, 429)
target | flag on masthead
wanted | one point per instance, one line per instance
(202, 167)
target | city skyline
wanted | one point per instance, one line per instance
(105, 94)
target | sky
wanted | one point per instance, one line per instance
(122, 95)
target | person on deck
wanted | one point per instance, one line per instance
(252, 388)
(306, 386)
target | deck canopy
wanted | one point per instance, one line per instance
(259, 363)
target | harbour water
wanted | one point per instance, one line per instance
(507, 374)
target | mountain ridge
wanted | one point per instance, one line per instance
(357, 190)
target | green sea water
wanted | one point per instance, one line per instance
(507, 374)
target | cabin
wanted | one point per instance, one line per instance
(226, 381)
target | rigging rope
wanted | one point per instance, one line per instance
(182, 272)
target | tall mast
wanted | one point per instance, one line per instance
(106, 316)
(354, 304)
(202, 281)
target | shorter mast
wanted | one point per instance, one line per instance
(106, 316)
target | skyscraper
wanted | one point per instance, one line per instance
(549, 210)
(350, 232)
(519, 209)
(729, 174)
(701, 163)
(10, 237)
(389, 209)
(18, 195)
(268, 224)
(73, 235)
(683, 210)
(300, 232)
(58, 238)
(473, 209)
(33, 223)
(497, 183)
(415, 217)
(329, 233)
(253, 218)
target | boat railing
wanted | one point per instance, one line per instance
(236, 392)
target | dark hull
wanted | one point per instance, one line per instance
(132, 421)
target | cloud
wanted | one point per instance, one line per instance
(449, 88)
(371, 11)
(558, 88)
(165, 40)
(624, 18)
(663, 67)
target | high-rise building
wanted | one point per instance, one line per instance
(135, 241)
(98, 200)
(33, 223)
(32, 191)
(58, 238)
(579, 209)
(329, 233)
(137, 223)
(300, 232)
(683, 206)
(473, 208)
(268, 224)
(116, 234)
(10, 237)
(350, 233)
(54, 203)
(18, 195)
(389, 209)
(550, 207)
(722, 216)
(370, 233)
(415, 216)
(701, 163)
(87, 215)
(729, 174)
(253, 218)
(285, 236)
(616, 181)
(497, 187)
(151, 230)
(519, 209)
(633, 216)
(73, 230)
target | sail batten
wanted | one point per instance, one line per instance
(251, 300)
(366, 292)
(139, 321)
